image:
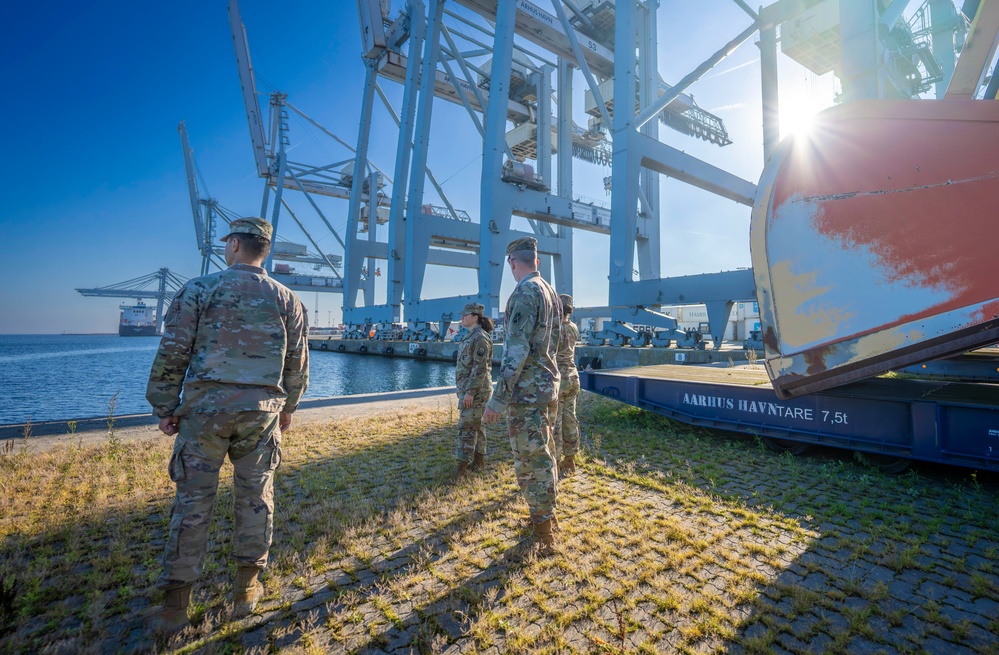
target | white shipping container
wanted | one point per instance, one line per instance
(288, 248)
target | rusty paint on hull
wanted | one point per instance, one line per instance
(871, 241)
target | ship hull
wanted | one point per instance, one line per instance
(137, 331)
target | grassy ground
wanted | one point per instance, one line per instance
(673, 540)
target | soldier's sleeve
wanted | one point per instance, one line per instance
(296, 359)
(521, 321)
(166, 377)
(461, 381)
(481, 356)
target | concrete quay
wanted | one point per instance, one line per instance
(602, 357)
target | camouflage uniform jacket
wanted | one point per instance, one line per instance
(566, 357)
(475, 362)
(528, 373)
(233, 341)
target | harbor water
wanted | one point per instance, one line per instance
(64, 377)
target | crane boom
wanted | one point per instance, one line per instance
(248, 85)
(192, 187)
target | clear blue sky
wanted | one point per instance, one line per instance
(95, 191)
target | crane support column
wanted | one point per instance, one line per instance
(417, 244)
(396, 267)
(494, 222)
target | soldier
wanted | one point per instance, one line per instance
(566, 425)
(527, 388)
(235, 343)
(472, 378)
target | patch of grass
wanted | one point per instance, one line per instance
(671, 541)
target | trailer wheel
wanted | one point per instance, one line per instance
(786, 445)
(887, 463)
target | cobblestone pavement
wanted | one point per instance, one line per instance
(671, 540)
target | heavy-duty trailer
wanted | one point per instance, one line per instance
(892, 420)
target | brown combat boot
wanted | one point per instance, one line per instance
(247, 591)
(479, 463)
(567, 466)
(545, 538)
(542, 543)
(460, 471)
(171, 617)
(528, 524)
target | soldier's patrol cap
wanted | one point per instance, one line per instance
(566, 301)
(524, 243)
(250, 225)
(474, 308)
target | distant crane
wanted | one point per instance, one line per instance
(205, 211)
(161, 286)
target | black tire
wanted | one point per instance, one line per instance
(888, 463)
(786, 445)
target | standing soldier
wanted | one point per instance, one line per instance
(527, 388)
(472, 378)
(566, 425)
(235, 343)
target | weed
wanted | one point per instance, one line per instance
(113, 441)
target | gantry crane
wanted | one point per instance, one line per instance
(207, 212)
(512, 66)
(160, 286)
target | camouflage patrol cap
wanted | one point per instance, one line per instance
(566, 302)
(524, 243)
(250, 225)
(474, 308)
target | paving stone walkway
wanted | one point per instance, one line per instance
(670, 541)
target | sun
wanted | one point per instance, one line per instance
(796, 118)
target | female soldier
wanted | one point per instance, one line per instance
(566, 430)
(472, 378)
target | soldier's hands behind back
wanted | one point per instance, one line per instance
(169, 425)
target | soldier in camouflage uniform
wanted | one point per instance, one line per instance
(566, 425)
(231, 368)
(474, 384)
(527, 388)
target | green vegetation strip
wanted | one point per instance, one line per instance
(672, 540)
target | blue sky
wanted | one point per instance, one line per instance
(96, 194)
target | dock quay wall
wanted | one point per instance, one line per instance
(599, 357)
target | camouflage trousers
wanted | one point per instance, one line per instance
(530, 430)
(252, 440)
(566, 430)
(471, 436)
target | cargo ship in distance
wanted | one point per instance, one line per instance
(137, 320)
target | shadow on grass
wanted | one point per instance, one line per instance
(849, 560)
(81, 586)
(673, 540)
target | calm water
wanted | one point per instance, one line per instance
(60, 377)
